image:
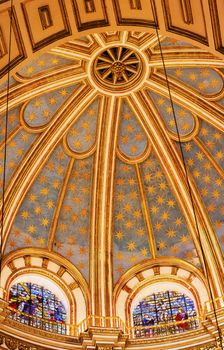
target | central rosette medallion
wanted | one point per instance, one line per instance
(118, 69)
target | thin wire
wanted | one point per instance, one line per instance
(189, 190)
(5, 140)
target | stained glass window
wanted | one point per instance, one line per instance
(161, 309)
(38, 307)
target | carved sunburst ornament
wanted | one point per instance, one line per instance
(118, 68)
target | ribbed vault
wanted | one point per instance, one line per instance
(94, 170)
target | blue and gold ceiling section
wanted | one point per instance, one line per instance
(207, 174)
(12, 124)
(132, 141)
(39, 111)
(170, 43)
(81, 137)
(45, 63)
(130, 240)
(213, 141)
(172, 237)
(186, 122)
(220, 102)
(206, 81)
(72, 232)
(34, 218)
(8, 83)
(163, 226)
(17, 146)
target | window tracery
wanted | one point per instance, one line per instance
(158, 310)
(37, 306)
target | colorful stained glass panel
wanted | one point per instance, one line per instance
(37, 307)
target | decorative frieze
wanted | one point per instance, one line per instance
(12, 343)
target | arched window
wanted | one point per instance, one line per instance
(37, 307)
(164, 312)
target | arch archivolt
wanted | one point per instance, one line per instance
(158, 274)
(54, 268)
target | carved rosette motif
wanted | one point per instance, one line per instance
(118, 69)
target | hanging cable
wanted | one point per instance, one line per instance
(5, 139)
(190, 191)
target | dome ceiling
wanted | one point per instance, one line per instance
(93, 145)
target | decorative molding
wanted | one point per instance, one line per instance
(135, 4)
(86, 19)
(3, 48)
(17, 53)
(187, 11)
(142, 13)
(190, 26)
(60, 31)
(90, 6)
(55, 266)
(217, 23)
(61, 271)
(45, 16)
(27, 260)
(12, 343)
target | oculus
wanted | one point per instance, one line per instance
(118, 68)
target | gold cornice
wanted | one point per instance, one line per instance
(185, 60)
